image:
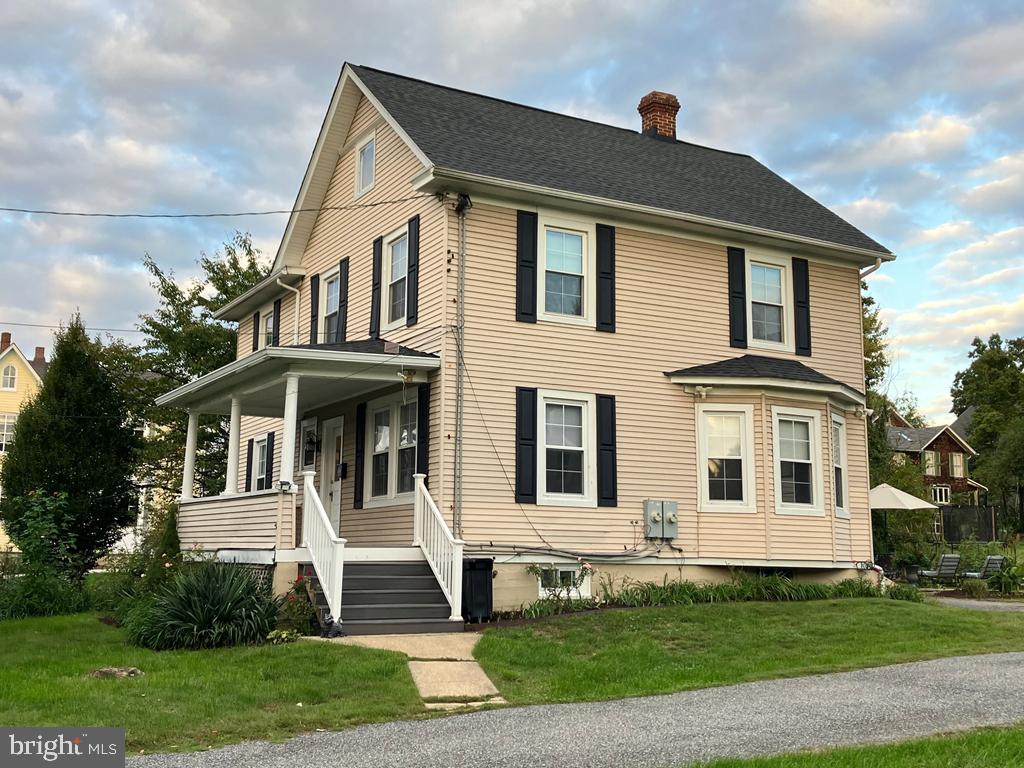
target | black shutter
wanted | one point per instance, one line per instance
(413, 284)
(340, 334)
(422, 428)
(248, 466)
(526, 445)
(526, 266)
(605, 278)
(314, 309)
(357, 489)
(275, 339)
(607, 473)
(268, 480)
(737, 298)
(378, 255)
(802, 306)
(255, 331)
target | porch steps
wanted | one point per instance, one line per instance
(384, 598)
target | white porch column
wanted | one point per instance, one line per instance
(234, 440)
(291, 415)
(188, 475)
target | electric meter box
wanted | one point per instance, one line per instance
(661, 519)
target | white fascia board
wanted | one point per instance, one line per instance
(740, 382)
(439, 178)
(14, 349)
(963, 443)
(238, 308)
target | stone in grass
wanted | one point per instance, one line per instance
(117, 672)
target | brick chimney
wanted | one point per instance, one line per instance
(658, 111)
(40, 355)
(5, 340)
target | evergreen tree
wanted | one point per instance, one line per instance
(74, 438)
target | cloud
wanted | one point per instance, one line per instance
(1001, 189)
(998, 253)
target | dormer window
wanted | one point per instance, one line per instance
(365, 158)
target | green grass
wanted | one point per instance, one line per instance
(192, 699)
(986, 748)
(620, 653)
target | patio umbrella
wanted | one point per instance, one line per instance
(884, 496)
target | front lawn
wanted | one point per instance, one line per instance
(619, 653)
(191, 699)
(986, 748)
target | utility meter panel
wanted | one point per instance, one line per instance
(661, 519)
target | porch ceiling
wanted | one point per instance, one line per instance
(326, 373)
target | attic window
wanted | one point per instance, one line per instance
(9, 379)
(365, 156)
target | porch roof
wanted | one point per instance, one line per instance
(328, 373)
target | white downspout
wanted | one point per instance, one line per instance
(297, 292)
(865, 273)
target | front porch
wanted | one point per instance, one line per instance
(328, 451)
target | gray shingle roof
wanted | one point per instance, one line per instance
(963, 422)
(911, 440)
(468, 132)
(757, 367)
(367, 346)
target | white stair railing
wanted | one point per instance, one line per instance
(442, 550)
(326, 549)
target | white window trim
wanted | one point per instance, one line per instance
(589, 231)
(14, 421)
(321, 310)
(257, 441)
(393, 498)
(360, 191)
(589, 496)
(817, 509)
(265, 311)
(14, 378)
(788, 330)
(953, 470)
(749, 504)
(947, 494)
(843, 511)
(584, 589)
(385, 281)
(937, 464)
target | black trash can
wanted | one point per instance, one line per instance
(477, 588)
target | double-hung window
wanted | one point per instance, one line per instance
(839, 466)
(931, 463)
(366, 152)
(261, 457)
(956, 464)
(726, 458)
(769, 303)
(332, 309)
(567, 459)
(265, 332)
(7, 421)
(566, 273)
(9, 378)
(797, 443)
(392, 436)
(395, 279)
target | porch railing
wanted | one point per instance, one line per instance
(326, 549)
(442, 550)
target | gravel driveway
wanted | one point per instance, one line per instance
(884, 704)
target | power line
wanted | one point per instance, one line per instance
(105, 215)
(58, 325)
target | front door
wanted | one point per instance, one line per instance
(331, 469)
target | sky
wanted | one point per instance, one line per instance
(906, 118)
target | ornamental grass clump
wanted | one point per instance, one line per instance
(206, 605)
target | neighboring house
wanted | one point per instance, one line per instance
(20, 379)
(594, 343)
(943, 452)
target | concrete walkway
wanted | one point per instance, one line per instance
(442, 666)
(893, 703)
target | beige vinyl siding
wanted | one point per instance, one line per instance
(671, 312)
(219, 522)
(252, 427)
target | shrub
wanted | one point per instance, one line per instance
(1008, 580)
(975, 588)
(106, 591)
(297, 613)
(39, 591)
(283, 636)
(205, 605)
(973, 553)
(904, 592)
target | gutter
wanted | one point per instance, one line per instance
(865, 272)
(270, 281)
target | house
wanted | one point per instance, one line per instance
(20, 379)
(493, 331)
(943, 452)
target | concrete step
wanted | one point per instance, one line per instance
(396, 611)
(399, 626)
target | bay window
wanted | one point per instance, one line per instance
(839, 466)
(726, 458)
(797, 437)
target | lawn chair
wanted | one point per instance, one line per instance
(946, 573)
(993, 564)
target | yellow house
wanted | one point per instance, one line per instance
(20, 379)
(493, 332)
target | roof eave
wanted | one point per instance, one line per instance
(265, 290)
(13, 348)
(838, 390)
(437, 179)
